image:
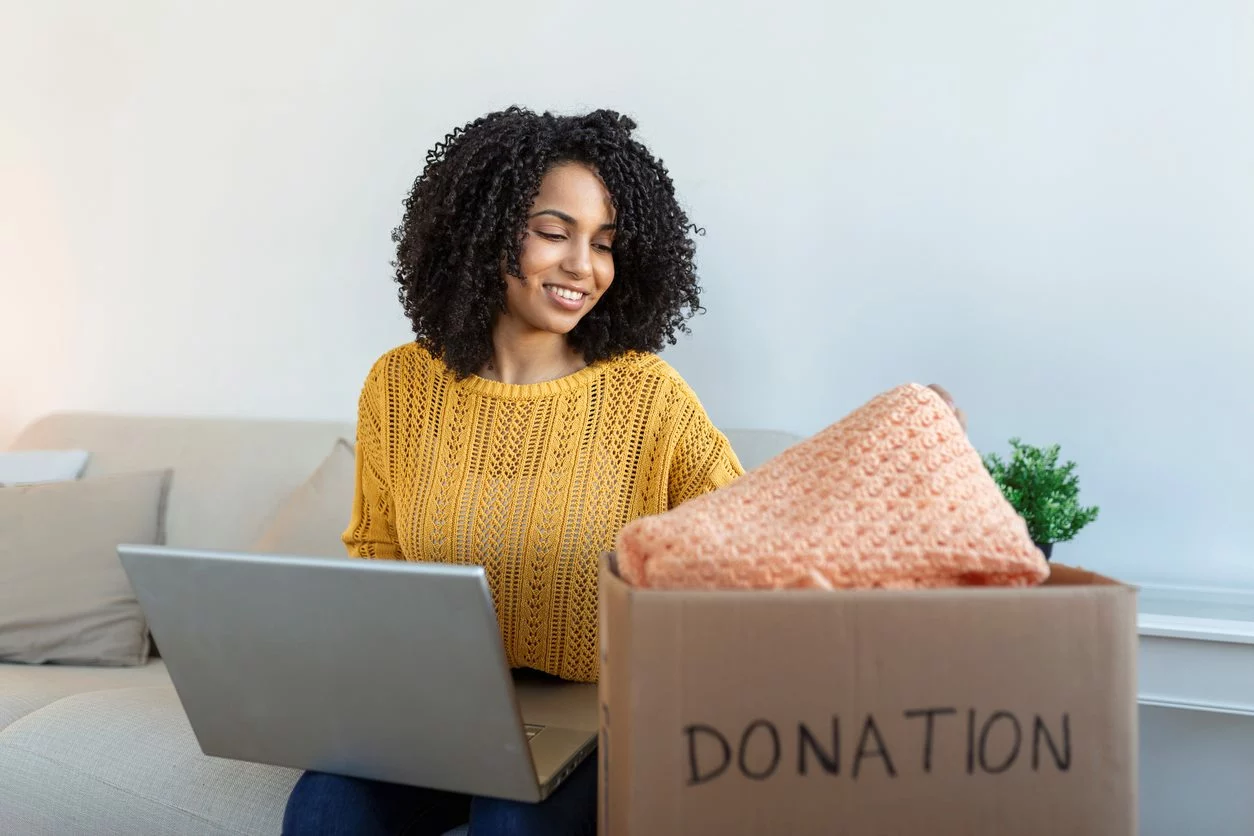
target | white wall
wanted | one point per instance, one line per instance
(1049, 207)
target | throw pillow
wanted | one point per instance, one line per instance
(35, 467)
(312, 520)
(64, 596)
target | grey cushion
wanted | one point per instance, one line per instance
(311, 521)
(64, 596)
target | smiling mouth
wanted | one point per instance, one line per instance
(565, 293)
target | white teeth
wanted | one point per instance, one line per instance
(572, 295)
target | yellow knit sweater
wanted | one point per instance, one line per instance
(532, 482)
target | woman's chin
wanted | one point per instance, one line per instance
(562, 325)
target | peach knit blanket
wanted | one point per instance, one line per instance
(894, 495)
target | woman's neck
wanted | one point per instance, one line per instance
(521, 359)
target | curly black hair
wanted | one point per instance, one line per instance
(466, 215)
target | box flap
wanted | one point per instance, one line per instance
(1062, 575)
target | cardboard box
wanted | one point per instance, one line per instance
(1007, 712)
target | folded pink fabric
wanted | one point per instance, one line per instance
(894, 496)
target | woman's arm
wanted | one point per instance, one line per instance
(703, 460)
(371, 531)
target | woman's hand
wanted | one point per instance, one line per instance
(948, 398)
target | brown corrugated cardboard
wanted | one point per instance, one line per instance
(1007, 712)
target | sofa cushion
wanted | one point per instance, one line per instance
(28, 688)
(125, 761)
(312, 520)
(64, 596)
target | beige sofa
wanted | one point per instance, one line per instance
(109, 750)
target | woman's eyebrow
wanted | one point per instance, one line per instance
(560, 215)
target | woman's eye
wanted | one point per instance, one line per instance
(550, 236)
(605, 248)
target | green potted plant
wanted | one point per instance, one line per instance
(1043, 492)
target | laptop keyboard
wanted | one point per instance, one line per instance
(532, 730)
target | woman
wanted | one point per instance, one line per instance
(542, 260)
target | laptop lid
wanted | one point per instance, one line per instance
(384, 670)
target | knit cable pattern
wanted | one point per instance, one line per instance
(531, 482)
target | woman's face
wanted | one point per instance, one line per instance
(566, 258)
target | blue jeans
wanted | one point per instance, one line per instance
(330, 805)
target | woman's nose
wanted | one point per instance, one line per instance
(578, 260)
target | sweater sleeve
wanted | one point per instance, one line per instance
(703, 460)
(371, 531)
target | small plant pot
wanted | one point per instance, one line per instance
(1047, 549)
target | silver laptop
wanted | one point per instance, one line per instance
(376, 669)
